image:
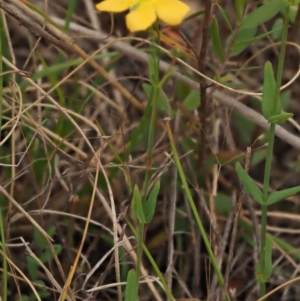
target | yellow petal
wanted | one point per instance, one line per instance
(142, 17)
(114, 6)
(171, 12)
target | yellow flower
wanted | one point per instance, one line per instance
(143, 13)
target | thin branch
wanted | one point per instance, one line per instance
(202, 110)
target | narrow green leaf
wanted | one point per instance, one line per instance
(163, 103)
(277, 29)
(192, 101)
(150, 205)
(216, 40)
(244, 39)
(137, 207)
(288, 248)
(251, 187)
(280, 118)
(131, 286)
(226, 18)
(268, 102)
(277, 196)
(268, 256)
(262, 14)
(32, 267)
(47, 255)
(239, 8)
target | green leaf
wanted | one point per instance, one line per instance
(268, 256)
(288, 248)
(226, 18)
(239, 8)
(192, 101)
(131, 286)
(262, 14)
(280, 118)
(242, 40)
(137, 207)
(47, 255)
(163, 104)
(32, 267)
(150, 205)
(288, 3)
(247, 36)
(277, 29)
(277, 196)
(216, 40)
(269, 89)
(39, 238)
(251, 187)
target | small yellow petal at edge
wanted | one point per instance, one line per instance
(171, 12)
(141, 18)
(114, 6)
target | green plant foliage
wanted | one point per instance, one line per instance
(280, 118)
(277, 29)
(262, 14)
(163, 104)
(258, 156)
(192, 101)
(268, 256)
(222, 203)
(32, 267)
(216, 40)
(47, 255)
(131, 289)
(137, 207)
(269, 103)
(249, 184)
(263, 277)
(277, 196)
(242, 40)
(150, 205)
(40, 239)
(239, 9)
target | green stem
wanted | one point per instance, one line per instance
(262, 262)
(153, 66)
(151, 139)
(140, 239)
(195, 211)
(271, 138)
(153, 263)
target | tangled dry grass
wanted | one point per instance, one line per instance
(72, 99)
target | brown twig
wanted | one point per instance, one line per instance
(202, 110)
(63, 41)
(36, 29)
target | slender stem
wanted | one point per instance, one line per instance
(154, 67)
(194, 210)
(153, 263)
(271, 138)
(140, 239)
(151, 139)
(262, 261)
